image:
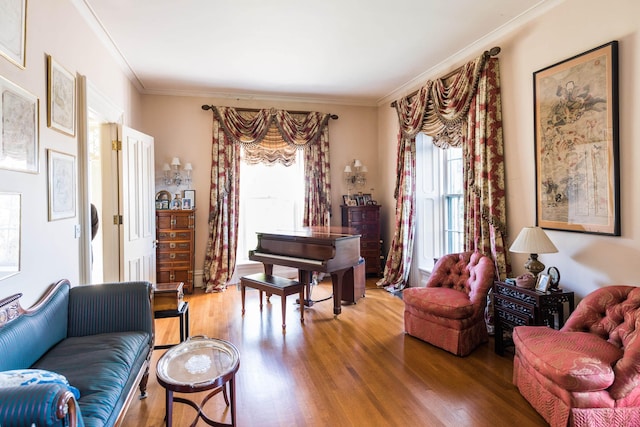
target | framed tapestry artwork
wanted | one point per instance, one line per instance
(13, 25)
(19, 128)
(576, 143)
(61, 104)
(62, 185)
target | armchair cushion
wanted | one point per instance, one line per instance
(443, 302)
(576, 361)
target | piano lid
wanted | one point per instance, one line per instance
(321, 233)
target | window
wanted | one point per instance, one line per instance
(271, 198)
(439, 205)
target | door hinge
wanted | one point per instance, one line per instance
(116, 145)
(117, 220)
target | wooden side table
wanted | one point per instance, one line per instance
(514, 306)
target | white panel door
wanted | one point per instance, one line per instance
(138, 230)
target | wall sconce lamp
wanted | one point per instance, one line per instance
(534, 241)
(172, 175)
(355, 176)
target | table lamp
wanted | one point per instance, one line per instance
(533, 241)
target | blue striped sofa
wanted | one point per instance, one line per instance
(98, 337)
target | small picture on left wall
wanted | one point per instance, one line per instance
(61, 92)
(62, 185)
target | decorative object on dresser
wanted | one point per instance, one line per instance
(533, 241)
(365, 220)
(175, 256)
(514, 306)
(449, 312)
(586, 373)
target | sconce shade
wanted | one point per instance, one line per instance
(166, 167)
(347, 169)
(533, 240)
(188, 167)
(175, 161)
(357, 163)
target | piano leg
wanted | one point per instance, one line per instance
(337, 277)
(305, 277)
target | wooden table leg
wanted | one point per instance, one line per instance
(169, 407)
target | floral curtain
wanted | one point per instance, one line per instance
(462, 110)
(258, 132)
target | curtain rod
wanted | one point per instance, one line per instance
(255, 110)
(491, 52)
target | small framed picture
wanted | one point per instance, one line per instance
(62, 185)
(164, 204)
(190, 194)
(186, 204)
(367, 198)
(61, 111)
(542, 285)
(360, 200)
(351, 202)
(345, 199)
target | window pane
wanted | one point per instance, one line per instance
(271, 198)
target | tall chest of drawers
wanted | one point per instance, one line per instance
(175, 254)
(365, 220)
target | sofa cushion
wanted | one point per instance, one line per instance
(100, 366)
(28, 377)
(576, 361)
(443, 302)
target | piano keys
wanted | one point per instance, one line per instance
(311, 249)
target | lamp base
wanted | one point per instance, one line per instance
(534, 266)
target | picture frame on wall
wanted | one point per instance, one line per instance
(19, 139)
(13, 37)
(61, 94)
(10, 218)
(576, 143)
(62, 185)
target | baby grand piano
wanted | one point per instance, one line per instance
(311, 249)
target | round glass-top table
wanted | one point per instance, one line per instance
(199, 364)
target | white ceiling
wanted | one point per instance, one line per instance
(345, 51)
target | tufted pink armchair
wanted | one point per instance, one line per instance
(449, 311)
(588, 372)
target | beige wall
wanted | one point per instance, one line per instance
(49, 249)
(585, 261)
(181, 128)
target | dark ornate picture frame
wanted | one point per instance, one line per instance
(576, 143)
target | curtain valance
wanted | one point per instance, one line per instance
(297, 129)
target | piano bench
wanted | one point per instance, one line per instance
(273, 285)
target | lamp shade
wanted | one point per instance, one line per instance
(166, 167)
(347, 169)
(188, 167)
(175, 161)
(533, 240)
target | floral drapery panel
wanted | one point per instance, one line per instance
(258, 132)
(463, 110)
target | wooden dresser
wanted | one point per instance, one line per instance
(365, 220)
(175, 254)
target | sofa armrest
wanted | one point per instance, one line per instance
(39, 404)
(110, 307)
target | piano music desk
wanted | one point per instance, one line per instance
(273, 285)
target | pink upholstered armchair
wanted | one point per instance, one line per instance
(449, 311)
(588, 372)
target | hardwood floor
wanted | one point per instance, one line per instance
(359, 369)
